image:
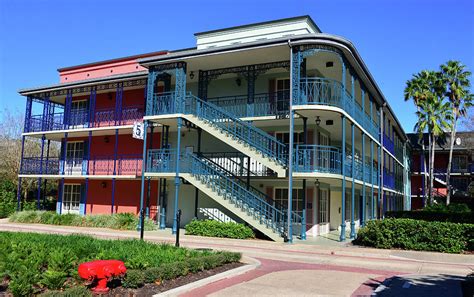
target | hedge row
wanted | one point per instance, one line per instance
(218, 229)
(433, 216)
(137, 278)
(417, 235)
(32, 262)
(122, 221)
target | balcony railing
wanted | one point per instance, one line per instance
(97, 165)
(263, 104)
(388, 179)
(238, 164)
(328, 159)
(103, 117)
(388, 143)
(324, 91)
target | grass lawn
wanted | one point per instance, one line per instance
(33, 263)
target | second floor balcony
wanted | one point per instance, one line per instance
(95, 165)
(83, 118)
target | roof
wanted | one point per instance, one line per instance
(297, 18)
(467, 141)
(85, 82)
(113, 60)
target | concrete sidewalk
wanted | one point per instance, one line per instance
(305, 268)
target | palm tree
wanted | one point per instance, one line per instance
(434, 116)
(455, 76)
(418, 89)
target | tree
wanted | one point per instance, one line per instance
(419, 90)
(434, 117)
(455, 77)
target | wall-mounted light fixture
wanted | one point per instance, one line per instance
(103, 184)
(316, 183)
(318, 121)
(238, 81)
(110, 96)
(106, 139)
(191, 75)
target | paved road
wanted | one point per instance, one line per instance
(303, 269)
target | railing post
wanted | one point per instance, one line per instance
(29, 104)
(342, 236)
(362, 219)
(142, 186)
(177, 180)
(352, 235)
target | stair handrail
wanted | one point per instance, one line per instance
(240, 129)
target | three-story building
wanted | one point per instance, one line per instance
(275, 124)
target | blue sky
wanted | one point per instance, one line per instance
(395, 38)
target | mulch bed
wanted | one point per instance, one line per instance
(152, 289)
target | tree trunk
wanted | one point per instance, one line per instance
(425, 170)
(429, 168)
(432, 166)
(451, 147)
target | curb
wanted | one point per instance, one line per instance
(251, 264)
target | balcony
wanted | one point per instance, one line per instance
(97, 165)
(104, 117)
(324, 91)
(388, 144)
(328, 159)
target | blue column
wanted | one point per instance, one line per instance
(115, 150)
(113, 197)
(63, 153)
(118, 104)
(177, 181)
(59, 204)
(342, 237)
(92, 98)
(82, 205)
(18, 193)
(343, 80)
(379, 180)
(29, 104)
(44, 120)
(38, 194)
(362, 218)
(353, 183)
(67, 109)
(372, 208)
(142, 186)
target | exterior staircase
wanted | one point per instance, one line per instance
(245, 202)
(215, 214)
(223, 125)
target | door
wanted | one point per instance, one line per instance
(282, 95)
(79, 114)
(323, 211)
(74, 157)
(71, 198)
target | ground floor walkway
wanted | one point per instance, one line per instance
(310, 268)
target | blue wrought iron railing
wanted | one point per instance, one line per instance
(102, 117)
(388, 143)
(238, 164)
(97, 165)
(221, 181)
(226, 122)
(263, 104)
(324, 91)
(328, 159)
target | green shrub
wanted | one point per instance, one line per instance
(433, 216)
(8, 202)
(419, 235)
(134, 279)
(122, 221)
(453, 207)
(32, 261)
(78, 291)
(218, 229)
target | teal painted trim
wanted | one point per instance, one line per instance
(372, 208)
(342, 236)
(362, 218)
(142, 185)
(177, 181)
(352, 235)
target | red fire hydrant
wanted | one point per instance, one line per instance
(102, 271)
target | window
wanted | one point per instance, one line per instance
(79, 112)
(281, 196)
(323, 211)
(71, 198)
(459, 163)
(74, 156)
(298, 137)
